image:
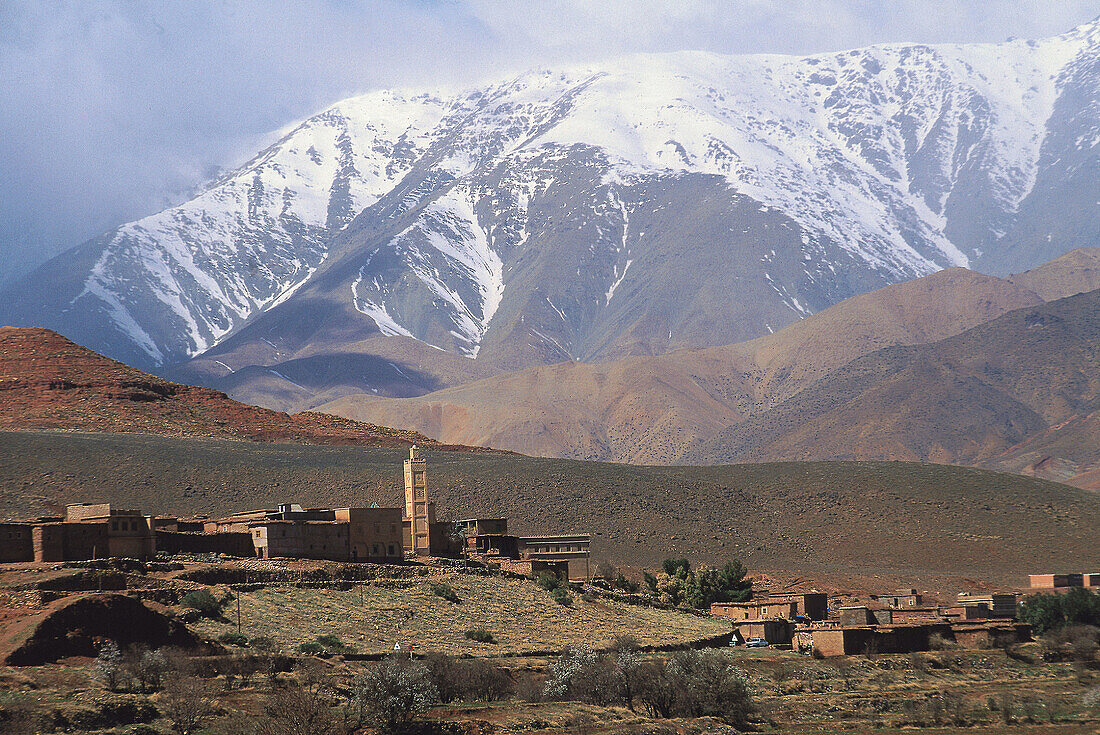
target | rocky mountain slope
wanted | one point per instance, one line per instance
(1031, 376)
(48, 382)
(401, 242)
(656, 409)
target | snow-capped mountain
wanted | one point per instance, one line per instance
(650, 203)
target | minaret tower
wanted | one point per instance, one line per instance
(418, 510)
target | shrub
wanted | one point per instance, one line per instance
(548, 581)
(203, 601)
(676, 567)
(234, 639)
(604, 570)
(480, 635)
(626, 585)
(562, 596)
(650, 582)
(439, 589)
(147, 668)
(331, 643)
(484, 682)
(393, 692)
(1046, 612)
(311, 648)
(444, 673)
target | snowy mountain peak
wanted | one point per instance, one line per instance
(540, 217)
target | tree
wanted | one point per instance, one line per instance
(394, 691)
(708, 684)
(109, 666)
(677, 567)
(1046, 612)
(187, 702)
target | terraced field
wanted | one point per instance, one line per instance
(522, 617)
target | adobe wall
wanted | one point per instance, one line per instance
(181, 542)
(16, 542)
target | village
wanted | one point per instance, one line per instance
(898, 621)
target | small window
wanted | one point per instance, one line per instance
(391, 550)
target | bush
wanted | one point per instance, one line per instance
(147, 668)
(234, 639)
(562, 596)
(311, 648)
(626, 585)
(393, 692)
(108, 665)
(484, 682)
(1046, 612)
(697, 684)
(187, 703)
(650, 582)
(548, 581)
(440, 589)
(333, 644)
(203, 601)
(480, 635)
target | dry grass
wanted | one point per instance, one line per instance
(521, 616)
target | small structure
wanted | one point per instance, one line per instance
(1054, 581)
(762, 609)
(998, 604)
(812, 605)
(901, 598)
(775, 632)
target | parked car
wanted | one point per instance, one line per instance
(756, 643)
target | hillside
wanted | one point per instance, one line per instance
(654, 409)
(895, 520)
(633, 207)
(48, 382)
(965, 399)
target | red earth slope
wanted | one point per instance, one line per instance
(49, 382)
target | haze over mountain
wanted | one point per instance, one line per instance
(404, 241)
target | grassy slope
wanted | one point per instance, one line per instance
(871, 518)
(520, 615)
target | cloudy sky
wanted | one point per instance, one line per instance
(113, 109)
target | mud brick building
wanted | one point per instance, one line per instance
(902, 598)
(16, 543)
(998, 604)
(1054, 581)
(763, 609)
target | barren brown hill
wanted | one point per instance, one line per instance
(1066, 452)
(1030, 377)
(655, 409)
(1078, 271)
(49, 382)
(899, 521)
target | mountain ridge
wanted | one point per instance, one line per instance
(646, 205)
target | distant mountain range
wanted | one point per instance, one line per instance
(955, 367)
(403, 242)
